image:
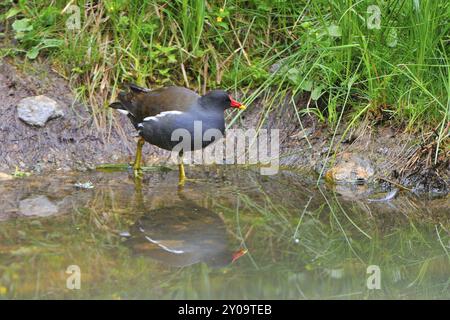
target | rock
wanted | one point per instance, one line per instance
(5, 176)
(37, 110)
(350, 168)
(274, 68)
(278, 67)
(37, 206)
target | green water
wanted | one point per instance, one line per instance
(151, 240)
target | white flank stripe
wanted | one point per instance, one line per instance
(162, 114)
(140, 125)
(163, 246)
(151, 118)
(125, 112)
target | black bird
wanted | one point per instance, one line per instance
(182, 235)
(156, 114)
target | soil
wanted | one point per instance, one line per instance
(71, 142)
(76, 142)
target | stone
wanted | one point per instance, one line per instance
(278, 67)
(5, 176)
(37, 206)
(274, 68)
(350, 168)
(37, 110)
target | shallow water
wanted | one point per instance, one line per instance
(151, 240)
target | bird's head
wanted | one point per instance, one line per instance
(220, 99)
(225, 258)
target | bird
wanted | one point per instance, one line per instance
(156, 114)
(182, 234)
(179, 232)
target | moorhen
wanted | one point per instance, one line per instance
(181, 235)
(157, 113)
(179, 232)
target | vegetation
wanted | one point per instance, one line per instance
(382, 60)
(378, 60)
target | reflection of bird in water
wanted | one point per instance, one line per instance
(182, 235)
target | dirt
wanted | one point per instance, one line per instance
(73, 142)
(76, 142)
(398, 158)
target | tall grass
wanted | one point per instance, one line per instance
(326, 50)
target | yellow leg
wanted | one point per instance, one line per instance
(137, 161)
(182, 175)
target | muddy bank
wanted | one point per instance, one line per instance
(353, 158)
(73, 141)
(76, 142)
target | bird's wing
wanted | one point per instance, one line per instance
(167, 99)
(142, 103)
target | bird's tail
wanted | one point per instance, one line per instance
(136, 88)
(117, 105)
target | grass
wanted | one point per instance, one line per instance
(327, 51)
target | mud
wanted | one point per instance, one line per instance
(397, 157)
(73, 142)
(76, 142)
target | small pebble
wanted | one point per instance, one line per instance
(85, 185)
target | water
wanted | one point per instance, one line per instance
(151, 240)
